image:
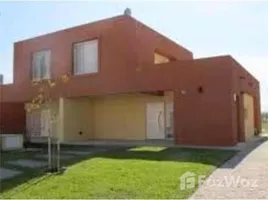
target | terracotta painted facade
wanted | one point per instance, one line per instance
(208, 103)
(12, 118)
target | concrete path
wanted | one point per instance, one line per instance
(8, 173)
(243, 176)
(62, 156)
(28, 163)
(83, 152)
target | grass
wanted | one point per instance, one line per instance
(143, 172)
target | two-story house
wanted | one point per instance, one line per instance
(130, 83)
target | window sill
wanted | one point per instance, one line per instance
(40, 79)
(85, 75)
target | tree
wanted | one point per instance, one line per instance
(43, 101)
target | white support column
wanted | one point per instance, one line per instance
(61, 120)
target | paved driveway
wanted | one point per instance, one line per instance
(244, 176)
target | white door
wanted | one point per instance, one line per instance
(45, 123)
(155, 121)
(33, 124)
(248, 116)
(169, 120)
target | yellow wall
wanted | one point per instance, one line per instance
(158, 59)
(249, 115)
(122, 117)
(114, 117)
(77, 116)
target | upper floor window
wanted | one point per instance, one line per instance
(158, 59)
(86, 57)
(41, 65)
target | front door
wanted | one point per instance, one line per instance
(45, 123)
(248, 116)
(33, 124)
(169, 120)
(155, 121)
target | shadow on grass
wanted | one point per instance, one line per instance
(168, 154)
(32, 176)
(204, 156)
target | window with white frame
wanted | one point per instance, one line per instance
(85, 57)
(41, 65)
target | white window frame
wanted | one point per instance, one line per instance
(86, 62)
(41, 65)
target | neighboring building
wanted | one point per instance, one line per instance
(129, 82)
(1, 79)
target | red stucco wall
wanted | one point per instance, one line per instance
(124, 44)
(244, 82)
(199, 118)
(126, 49)
(12, 118)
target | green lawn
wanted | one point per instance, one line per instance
(144, 172)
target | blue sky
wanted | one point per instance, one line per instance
(206, 28)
